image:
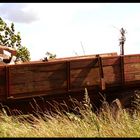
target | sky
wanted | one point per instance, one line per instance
(71, 29)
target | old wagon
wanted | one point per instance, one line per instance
(58, 79)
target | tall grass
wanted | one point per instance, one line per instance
(66, 124)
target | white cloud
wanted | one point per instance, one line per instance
(17, 12)
(62, 26)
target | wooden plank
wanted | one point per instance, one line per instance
(132, 76)
(2, 90)
(37, 94)
(137, 76)
(115, 69)
(84, 81)
(29, 76)
(2, 82)
(101, 73)
(37, 86)
(112, 79)
(32, 79)
(132, 67)
(132, 59)
(86, 63)
(112, 74)
(2, 71)
(37, 67)
(27, 86)
(82, 57)
(113, 85)
(110, 61)
(122, 70)
(129, 77)
(132, 84)
(132, 71)
(85, 72)
(84, 77)
(68, 75)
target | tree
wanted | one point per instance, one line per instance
(50, 55)
(9, 38)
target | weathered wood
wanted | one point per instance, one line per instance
(37, 86)
(38, 67)
(132, 67)
(82, 57)
(32, 86)
(84, 82)
(29, 76)
(85, 72)
(62, 78)
(112, 74)
(101, 73)
(84, 77)
(86, 63)
(2, 83)
(27, 95)
(110, 61)
(37, 77)
(132, 71)
(122, 70)
(132, 59)
(68, 75)
(7, 81)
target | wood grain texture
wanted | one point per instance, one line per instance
(32, 79)
(132, 59)
(112, 74)
(2, 81)
(65, 75)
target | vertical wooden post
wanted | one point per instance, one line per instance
(102, 81)
(122, 70)
(122, 40)
(7, 81)
(68, 75)
(122, 49)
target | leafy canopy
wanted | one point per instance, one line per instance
(9, 38)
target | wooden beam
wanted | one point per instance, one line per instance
(68, 75)
(7, 81)
(102, 81)
(122, 70)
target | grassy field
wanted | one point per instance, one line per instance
(87, 124)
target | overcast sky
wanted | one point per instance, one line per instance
(61, 27)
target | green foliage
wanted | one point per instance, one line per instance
(9, 38)
(50, 55)
(23, 54)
